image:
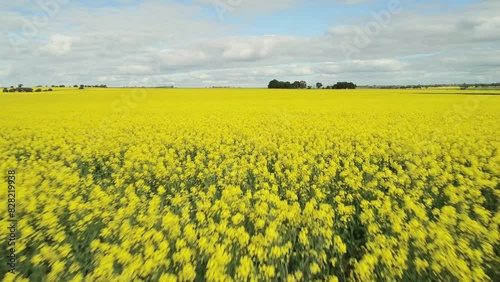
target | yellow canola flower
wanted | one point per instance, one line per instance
(253, 184)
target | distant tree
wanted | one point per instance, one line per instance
(12, 90)
(344, 85)
(5, 90)
(81, 87)
(273, 84)
(319, 85)
(22, 89)
(76, 86)
(286, 84)
(50, 89)
(20, 85)
(38, 90)
(309, 87)
(62, 86)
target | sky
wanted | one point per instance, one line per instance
(247, 43)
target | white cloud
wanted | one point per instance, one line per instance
(224, 8)
(58, 45)
(249, 48)
(183, 58)
(135, 69)
(158, 43)
(6, 71)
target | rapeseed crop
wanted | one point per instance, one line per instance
(252, 185)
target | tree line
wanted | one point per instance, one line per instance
(342, 85)
(276, 84)
(21, 88)
(421, 86)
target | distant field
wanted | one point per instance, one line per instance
(486, 88)
(245, 184)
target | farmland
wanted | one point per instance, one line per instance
(252, 184)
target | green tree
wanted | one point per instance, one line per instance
(274, 84)
(344, 85)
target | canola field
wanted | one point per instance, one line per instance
(251, 185)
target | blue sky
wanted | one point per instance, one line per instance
(192, 44)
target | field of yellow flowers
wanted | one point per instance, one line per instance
(251, 185)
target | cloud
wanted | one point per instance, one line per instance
(236, 8)
(159, 43)
(58, 45)
(134, 70)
